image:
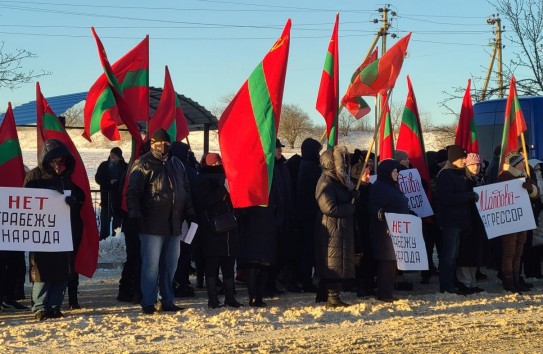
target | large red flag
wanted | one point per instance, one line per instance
(248, 128)
(49, 127)
(328, 96)
(514, 124)
(466, 134)
(386, 134)
(132, 72)
(169, 114)
(380, 75)
(410, 137)
(356, 104)
(12, 171)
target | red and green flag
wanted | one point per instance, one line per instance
(380, 75)
(248, 128)
(328, 96)
(12, 170)
(514, 125)
(410, 137)
(356, 104)
(386, 134)
(101, 111)
(49, 127)
(169, 114)
(466, 134)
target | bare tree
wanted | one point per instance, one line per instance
(224, 101)
(294, 123)
(346, 122)
(74, 115)
(12, 74)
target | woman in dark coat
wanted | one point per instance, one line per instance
(334, 234)
(385, 197)
(50, 271)
(219, 249)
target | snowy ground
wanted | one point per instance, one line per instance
(421, 321)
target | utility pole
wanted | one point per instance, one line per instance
(495, 20)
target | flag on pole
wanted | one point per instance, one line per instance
(380, 75)
(12, 171)
(466, 134)
(169, 114)
(356, 104)
(514, 124)
(49, 127)
(248, 128)
(410, 137)
(386, 134)
(101, 112)
(328, 96)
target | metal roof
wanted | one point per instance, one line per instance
(197, 116)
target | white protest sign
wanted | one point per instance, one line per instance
(410, 184)
(34, 220)
(406, 233)
(505, 208)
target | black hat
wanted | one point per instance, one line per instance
(117, 151)
(515, 159)
(160, 135)
(455, 152)
(278, 144)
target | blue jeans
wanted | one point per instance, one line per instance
(448, 253)
(159, 255)
(46, 296)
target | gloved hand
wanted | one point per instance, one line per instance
(474, 197)
(191, 219)
(528, 186)
(72, 201)
(381, 215)
(355, 194)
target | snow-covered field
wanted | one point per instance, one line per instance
(422, 321)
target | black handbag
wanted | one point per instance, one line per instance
(222, 223)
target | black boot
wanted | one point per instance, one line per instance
(524, 282)
(518, 284)
(229, 290)
(508, 283)
(262, 282)
(334, 300)
(321, 295)
(213, 298)
(252, 277)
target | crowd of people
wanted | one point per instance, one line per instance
(323, 230)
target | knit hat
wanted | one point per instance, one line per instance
(117, 151)
(278, 144)
(455, 152)
(441, 156)
(400, 155)
(515, 159)
(213, 158)
(160, 135)
(473, 159)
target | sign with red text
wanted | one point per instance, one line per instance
(505, 208)
(405, 230)
(411, 186)
(34, 220)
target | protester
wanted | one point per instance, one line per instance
(159, 195)
(385, 197)
(472, 243)
(513, 244)
(334, 234)
(220, 246)
(50, 271)
(453, 200)
(107, 176)
(403, 159)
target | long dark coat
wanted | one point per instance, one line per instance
(385, 195)
(334, 233)
(213, 199)
(55, 266)
(453, 198)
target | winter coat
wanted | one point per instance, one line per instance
(454, 198)
(334, 233)
(107, 172)
(308, 176)
(385, 195)
(159, 196)
(214, 199)
(55, 266)
(510, 173)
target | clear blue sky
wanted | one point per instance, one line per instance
(211, 46)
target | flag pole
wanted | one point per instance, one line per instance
(378, 125)
(525, 154)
